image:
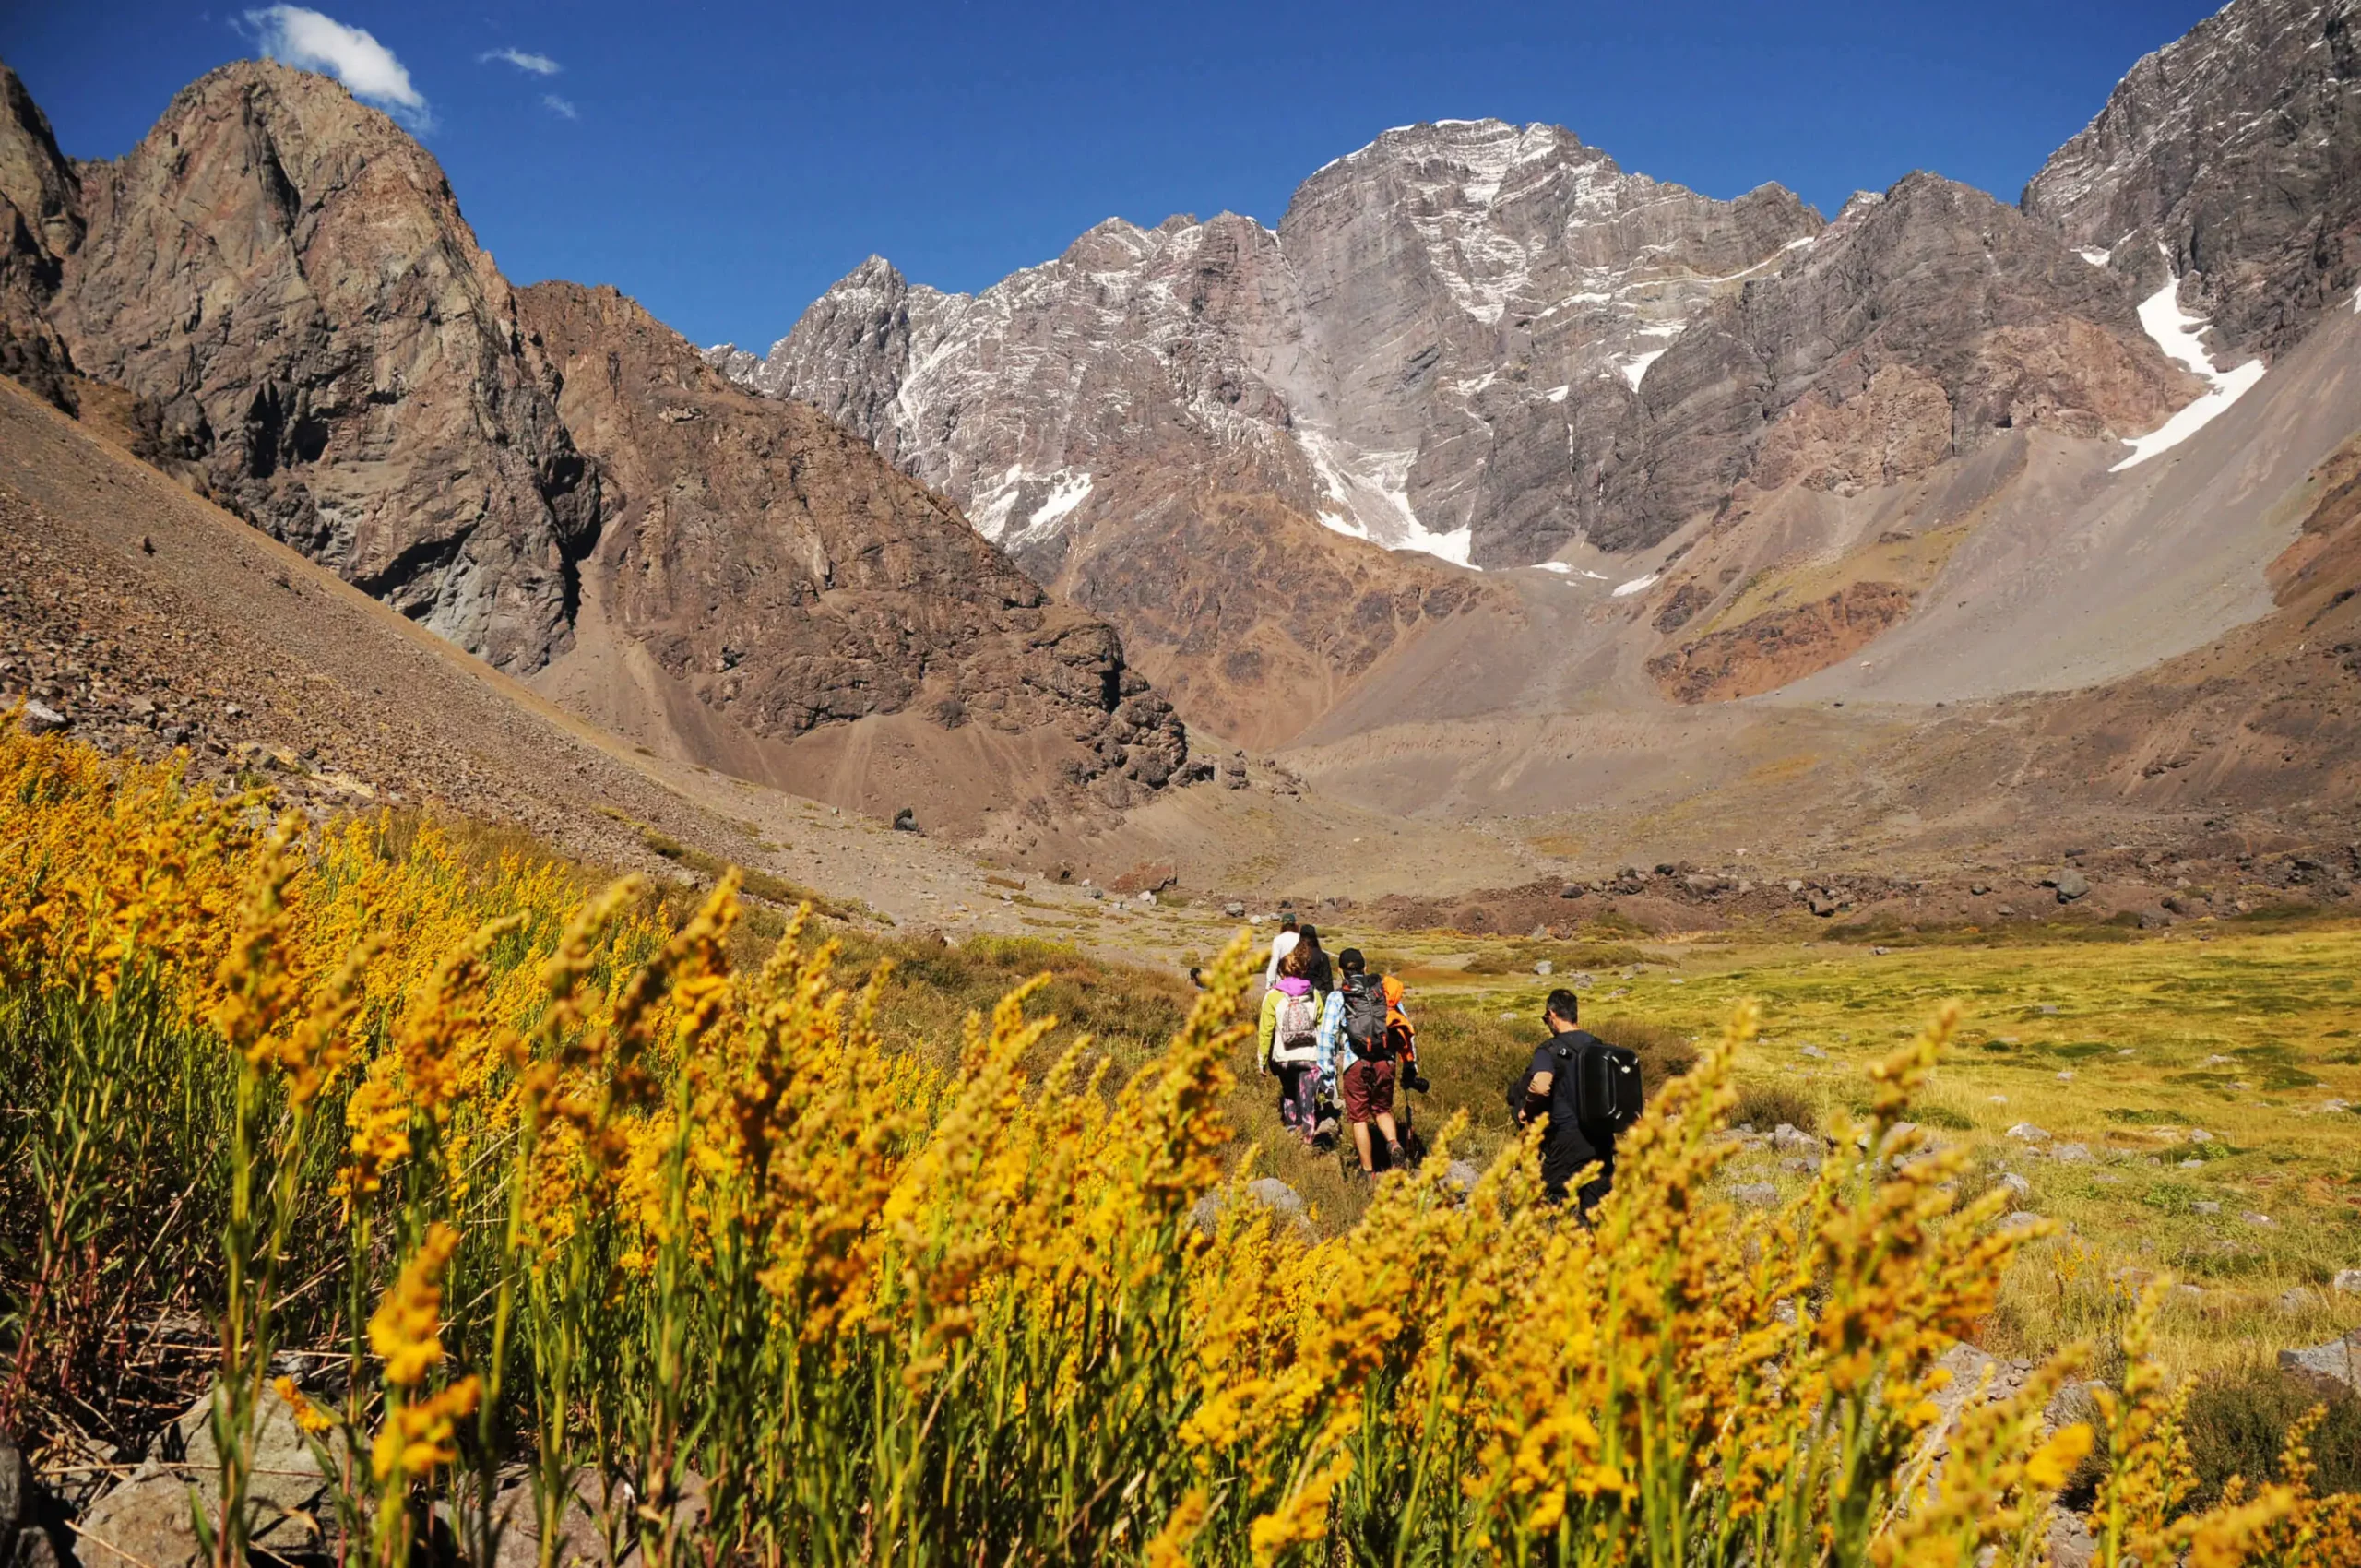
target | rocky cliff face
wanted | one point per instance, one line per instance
(775, 567)
(2232, 158)
(1428, 352)
(284, 277)
(41, 221)
(1919, 324)
(282, 280)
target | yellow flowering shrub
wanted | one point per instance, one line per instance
(595, 1200)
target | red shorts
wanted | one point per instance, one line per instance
(1369, 1090)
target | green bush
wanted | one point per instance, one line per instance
(2238, 1421)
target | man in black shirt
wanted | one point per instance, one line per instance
(1547, 1092)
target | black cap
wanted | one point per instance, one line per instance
(1349, 960)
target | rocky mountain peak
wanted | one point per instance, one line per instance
(282, 276)
(2235, 151)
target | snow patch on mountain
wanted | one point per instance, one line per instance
(1366, 495)
(2182, 338)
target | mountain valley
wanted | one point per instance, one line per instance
(1527, 516)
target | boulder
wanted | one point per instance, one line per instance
(41, 719)
(2347, 1282)
(2330, 1367)
(147, 1518)
(2070, 884)
(2026, 1132)
(1268, 1191)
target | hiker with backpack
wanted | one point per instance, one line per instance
(1586, 1091)
(1360, 1047)
(1287, 1044)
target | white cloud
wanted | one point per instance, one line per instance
(524, 60)
(557, 106)
(310, 42)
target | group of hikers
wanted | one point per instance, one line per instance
(1335, 1035)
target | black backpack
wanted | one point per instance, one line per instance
(1600, 1083)
(1364, 1019)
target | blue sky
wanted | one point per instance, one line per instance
(725, 161)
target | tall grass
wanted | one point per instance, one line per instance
(576, 1195)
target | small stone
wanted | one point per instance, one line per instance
(2066, 1074)
(2026, 1131)
(905, 820)
(2021, 1217)
(2006, 910)
(2072, 885)
(1755, 1194)
(2260, 1221)
(1543, 967)
(2295, 1301)
(2347, 1282)
(1234, 910)
(2071, 1153)
(1788, 1137)
(2192, 1165)
(1572, 890)
(1814, 1053)
(2018, 1186)
(2206, 1206)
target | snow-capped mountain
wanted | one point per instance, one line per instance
(1430, 351)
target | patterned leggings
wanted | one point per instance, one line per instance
(1298, 1094)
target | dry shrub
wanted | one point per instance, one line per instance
(1765, 1103)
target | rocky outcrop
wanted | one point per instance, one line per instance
(1771, 649)
(773, 565)
(307, 331)
(283, 276)
(1919, 324)
(2231, 157)
(41, 221)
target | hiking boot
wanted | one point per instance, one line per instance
(1394, 1159)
